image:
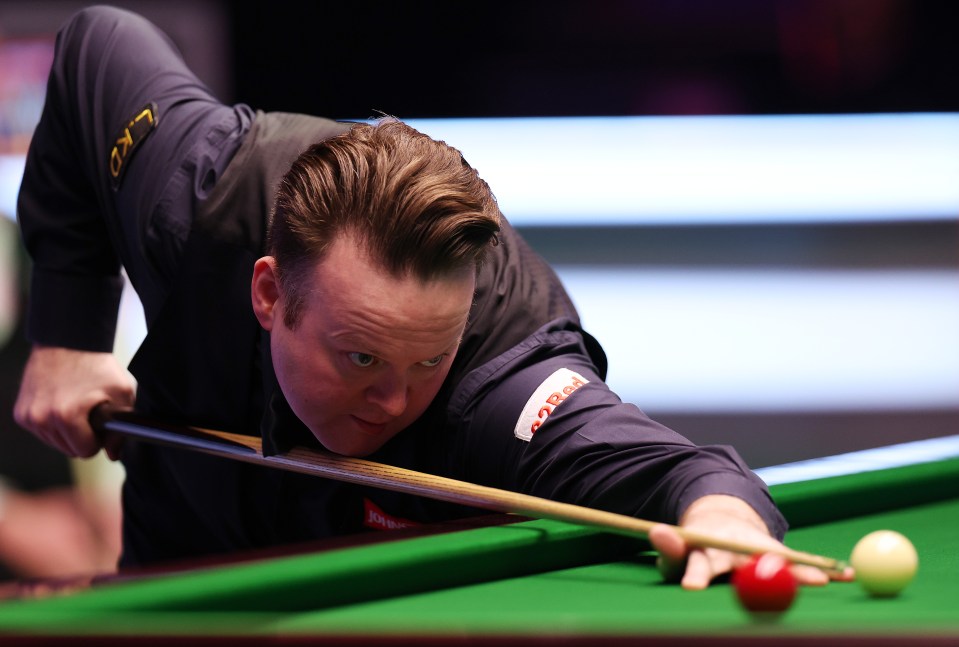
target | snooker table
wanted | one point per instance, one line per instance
(533, 582)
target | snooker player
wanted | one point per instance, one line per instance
(395, 315)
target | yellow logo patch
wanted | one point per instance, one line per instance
(129, 139)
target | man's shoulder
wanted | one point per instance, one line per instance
(294, 130)
(246, 190)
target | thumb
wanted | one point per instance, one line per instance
(672, 551)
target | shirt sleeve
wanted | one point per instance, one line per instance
(540, 420)
(75, 284)
(129, 141)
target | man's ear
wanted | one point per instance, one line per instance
(265, 293)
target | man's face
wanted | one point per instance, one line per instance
(369, 352)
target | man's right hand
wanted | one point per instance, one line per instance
(60, 387)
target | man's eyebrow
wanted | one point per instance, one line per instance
(350, 337)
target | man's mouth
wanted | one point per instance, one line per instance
(366, 426)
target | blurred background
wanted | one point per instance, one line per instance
(753, 202)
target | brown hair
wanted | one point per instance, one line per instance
(416, 205)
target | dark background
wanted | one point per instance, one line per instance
(561, 58)
(625, 57)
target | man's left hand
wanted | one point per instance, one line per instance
(724, 517)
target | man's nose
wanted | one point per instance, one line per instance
(390, 393)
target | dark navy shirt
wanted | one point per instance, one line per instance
(525, 406)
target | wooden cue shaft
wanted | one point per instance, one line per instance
(363, 472)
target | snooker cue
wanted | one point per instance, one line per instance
(106, 420)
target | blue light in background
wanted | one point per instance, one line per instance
(725, 169)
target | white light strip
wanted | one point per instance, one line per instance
(774, 340)
(11, 173)
(868, 460)
(694, 170)
(727, 169)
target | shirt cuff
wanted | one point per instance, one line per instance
(741, 487)
(73, 311)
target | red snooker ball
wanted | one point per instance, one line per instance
(765, 584)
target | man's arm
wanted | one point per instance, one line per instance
(540, 420)
(75, 277)
(107, 179)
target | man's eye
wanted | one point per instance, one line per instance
(430, 363)
(362, 360)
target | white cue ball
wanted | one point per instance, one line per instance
(885, 562)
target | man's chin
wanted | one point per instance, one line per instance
(351, 444)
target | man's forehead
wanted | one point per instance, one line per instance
(351, 290)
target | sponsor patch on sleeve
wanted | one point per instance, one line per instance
(128, 140)
(554, 390)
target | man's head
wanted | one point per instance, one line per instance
(413, 204)
(374, 244)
